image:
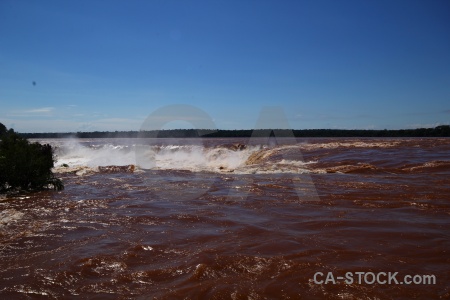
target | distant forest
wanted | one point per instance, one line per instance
(439, 131)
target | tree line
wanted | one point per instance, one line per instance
(439, 131)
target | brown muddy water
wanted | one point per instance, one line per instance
(211, 219)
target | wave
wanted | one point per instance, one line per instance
(83, 158)
(9, 216)
(435, 165)
(363, 168)
(351, 144)
(76, 153)
(342, 157)
(357, 168)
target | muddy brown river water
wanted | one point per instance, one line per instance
(203, 219)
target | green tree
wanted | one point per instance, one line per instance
(24, 165)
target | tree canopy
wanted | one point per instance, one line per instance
(24, 165)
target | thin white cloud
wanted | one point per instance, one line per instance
(30, 113)
(43, 110)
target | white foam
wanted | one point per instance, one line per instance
(10, 215)
(85, 158)
(296, 163)
(196, 158)
(350, 144)
(72, 153)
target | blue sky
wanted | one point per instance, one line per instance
(107, 65)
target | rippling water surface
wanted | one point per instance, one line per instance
(232, 219)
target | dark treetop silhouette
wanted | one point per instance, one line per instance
(439, 131)
(25, 166)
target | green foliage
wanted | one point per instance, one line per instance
(25, 165)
